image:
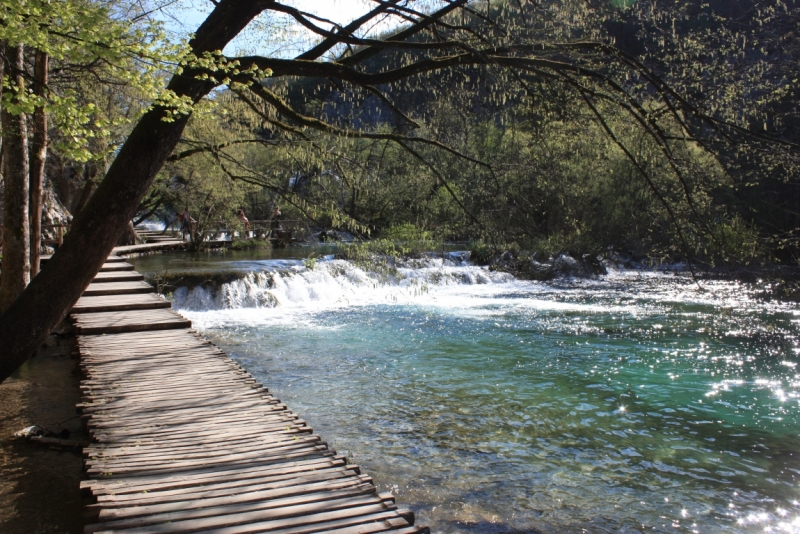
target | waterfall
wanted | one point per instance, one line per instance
(332, 283)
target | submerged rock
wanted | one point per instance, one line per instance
(332, 236)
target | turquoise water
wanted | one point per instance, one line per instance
(628, 404)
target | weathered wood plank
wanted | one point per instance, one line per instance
(129, 321)
(248, 503)
(150, 247)
(289, 516)
(196, 494)
(113, 266)
(207, 450)
(144, 301)
(118, 288)
(179, 460)
(124, 276)
(209, 474)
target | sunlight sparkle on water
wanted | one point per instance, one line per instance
(499, 405)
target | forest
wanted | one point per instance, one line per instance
(664, 130)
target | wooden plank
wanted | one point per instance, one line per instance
(243, 441)
(212, 475)
(129, 321)
(171, 371)
(176, 460)
(116, 419)
(144, 301)
(155, 361)
(192, 467)
(197, 494)
(192, 420)
(113, 266)
(158, 432)
(200, 450)
(154, 429)
(290, 516)
(102, 384)
(252, 401)
(118, 288)
(150, 247)
(246, 397)
(172, 393)
(175, 465)
(207, 475)
(197, 382)
(265, 500)
(133, 437)
(365, 523)
(124, 276)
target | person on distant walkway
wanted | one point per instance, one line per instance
(186, 223)
(275, 222)
(242, 217)
(275, 218)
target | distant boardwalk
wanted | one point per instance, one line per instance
(187, 441)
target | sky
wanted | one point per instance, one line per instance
(277, 37)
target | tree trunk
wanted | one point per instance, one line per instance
(38, 156)
(90, 173)
(16, 272)
(94, 232)
(129, 236)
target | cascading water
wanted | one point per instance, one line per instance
(629, 403)
(331, 283)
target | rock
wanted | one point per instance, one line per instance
(539, 271)
(595, 264)
(332, 236)
(30, 431)
(504, 262)
(566, 265)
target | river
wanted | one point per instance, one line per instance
(630, 403)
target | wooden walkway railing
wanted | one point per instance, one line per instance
(188, 441)
(60, 230)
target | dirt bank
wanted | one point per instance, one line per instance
(39, 485)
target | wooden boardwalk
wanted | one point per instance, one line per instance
(185, 440)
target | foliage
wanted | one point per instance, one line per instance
(99, 52)
(523, 157)
(251, 244)
(384, 255)
(528, 157)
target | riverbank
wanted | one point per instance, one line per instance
(776, 281)
(39, 485)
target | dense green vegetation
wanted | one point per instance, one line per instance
(519, 158)
(531, 159)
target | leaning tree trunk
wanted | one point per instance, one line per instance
(90, 173)
(95, 230)
(16, 270)
(38, 156)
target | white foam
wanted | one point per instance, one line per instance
(331, 284)
(297, 294)
(291, 292)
